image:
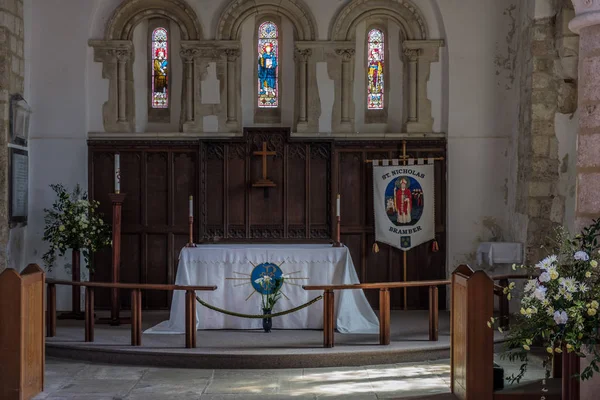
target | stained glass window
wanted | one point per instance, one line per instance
(268, 66)
(375, 70)
(160, 68)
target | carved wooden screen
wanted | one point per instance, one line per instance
(158, 177)
(298, 208)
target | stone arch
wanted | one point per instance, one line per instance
(121, 24)
(236, 12)
(408, 16)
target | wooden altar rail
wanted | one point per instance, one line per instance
(136, 307)
(21, 333)
(504, 281)
(384, 306)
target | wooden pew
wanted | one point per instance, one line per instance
(136, 307)
(384, 306)
(22, 349)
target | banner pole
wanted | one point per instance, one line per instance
(404, 161)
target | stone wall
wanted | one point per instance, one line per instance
(548, 91)
(12, 67)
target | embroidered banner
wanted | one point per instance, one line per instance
(403, 199)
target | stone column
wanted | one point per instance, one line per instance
(413, 59)
(587, 25)
(122, 58)
(188, 55)
(302, 56)
(232, 56)
(347, 56)
(420, 55)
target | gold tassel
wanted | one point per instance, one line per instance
(375, 248)
(435, 247)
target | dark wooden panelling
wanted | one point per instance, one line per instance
(131, 271)
(157, 250)
(158, 177)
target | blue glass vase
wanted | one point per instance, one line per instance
(267, 323)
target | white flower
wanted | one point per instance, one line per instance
(531, 285)
(583, 288)
(581, 256)
(570, 284)
(560, 317)
(267, 278)
(547, 262)
(544, 277)
(540, 293)
(259, 281)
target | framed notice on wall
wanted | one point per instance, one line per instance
(19, 185)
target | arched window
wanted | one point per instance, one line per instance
(375, 63)
(268, 65)
(160, 68)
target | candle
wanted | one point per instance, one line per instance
(338, 206)
(192, 206)
(117, 173)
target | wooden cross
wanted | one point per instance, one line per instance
(264, 181)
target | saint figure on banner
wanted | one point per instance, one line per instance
(403, 202)
(267, 71)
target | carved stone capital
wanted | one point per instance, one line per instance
(412, 54)
(346, 54)
(122, 55)
(302, 54)
(189, 54)
(587, 14)
(232, 54)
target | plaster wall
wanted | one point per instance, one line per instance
(472, 88)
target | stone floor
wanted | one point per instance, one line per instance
(77, 380)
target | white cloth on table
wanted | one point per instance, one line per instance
(208, 265)
(499, 253)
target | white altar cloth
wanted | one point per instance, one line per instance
(321, 264)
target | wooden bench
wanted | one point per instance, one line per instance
(136, 307)
(384, 306)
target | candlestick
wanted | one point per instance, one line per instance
(191, 222)
(117, 173)
(337, 242)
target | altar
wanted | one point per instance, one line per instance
(230, 267)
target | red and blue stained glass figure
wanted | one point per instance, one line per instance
(268, 66)
(160, 69)
(375, 64)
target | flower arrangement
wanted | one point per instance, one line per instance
(271, 292)
(560, 305)
(74, 223)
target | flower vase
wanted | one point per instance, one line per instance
(267, 322)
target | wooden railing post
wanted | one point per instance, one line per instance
(51, 310)
(190, 319)
(89, 314)
(433, 313)
(328, 302)
(384, 316)
(136, 317)
(570, 368)
(504, 305)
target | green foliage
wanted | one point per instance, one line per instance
(560, 308)
(272, 291)
(74, 223)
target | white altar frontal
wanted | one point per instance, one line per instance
(230, 267)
